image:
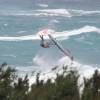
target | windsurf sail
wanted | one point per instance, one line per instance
(65, 51)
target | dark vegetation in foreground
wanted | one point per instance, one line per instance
(65, 86)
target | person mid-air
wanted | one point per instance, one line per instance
(44, 44)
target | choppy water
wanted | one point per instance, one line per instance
(76, 27)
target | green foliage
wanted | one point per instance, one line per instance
(20, 89)
(65, 86)
(7, 76)
(91, 88)
(9, 90)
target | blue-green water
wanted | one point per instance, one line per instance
(28, 19)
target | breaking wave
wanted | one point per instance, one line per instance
(86, 71)
(44, 12)
(83, 12)
(83, 30)
(20, 38)
(45, 65)
(83, 70)
(50, 12)
(56, 12)
(58, 35)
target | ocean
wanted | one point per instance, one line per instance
(76, 26)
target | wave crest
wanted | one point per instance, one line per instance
(50, 12)
(58, 35)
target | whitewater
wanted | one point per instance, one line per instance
(58, 35)
(50, 12)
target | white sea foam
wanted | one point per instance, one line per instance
(41, 60)
(50, 12)
(20, 38)
(59, 35)
(85, 29)
(28, 69)
(83, 70)
(83, 12)
(56, 12)
(44, 12)
(43, 5)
